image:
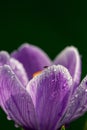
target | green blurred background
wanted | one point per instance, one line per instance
(51, 25)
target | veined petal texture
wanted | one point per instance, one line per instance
(15, 100)
(32, 57)
(70, 58)
(50, 92)
(16, 66)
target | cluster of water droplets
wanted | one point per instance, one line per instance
(18, 68)
(53, 72)
(50, 71)
(9, 118)
(78, 101)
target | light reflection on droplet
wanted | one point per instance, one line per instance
(8, 117)
(16, 125)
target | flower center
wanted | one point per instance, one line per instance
(39, 72)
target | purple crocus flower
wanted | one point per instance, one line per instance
(50, 99)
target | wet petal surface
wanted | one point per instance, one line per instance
(78, 103)
(70, 58)
(16, 101)
(50, 93)
(16, 66)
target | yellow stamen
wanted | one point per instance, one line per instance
(37, 73)
(63, 127)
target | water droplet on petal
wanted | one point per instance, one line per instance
(8, 71)
(76, 95)
(54, 69)
(64, 84)
(53, 80)
(16, 125)
(8, 117)
(13, 76)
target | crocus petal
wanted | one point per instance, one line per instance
(78, 103)
(50, 93)
(16, 66)
(70, 58)
(16, 101)
(32, 57)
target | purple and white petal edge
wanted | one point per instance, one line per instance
(50, 92)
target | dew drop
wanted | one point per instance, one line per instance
(16, 125)
(76, 95)
(12, 77)
(86, 90)
(53, 80)
(54, 94)
(8, 117)
(54, 69)
(9, 71)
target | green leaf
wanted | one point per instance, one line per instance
(63, 127)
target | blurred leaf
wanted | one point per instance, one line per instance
(63, 127)
(85, 128)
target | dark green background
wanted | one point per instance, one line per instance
(51, 25)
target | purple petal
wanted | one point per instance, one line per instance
(16, 66)
(81, 94)
(4, 57)
(50, 93)
(70, 58)
(16, 101)
(78, 103)
(32, 57)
